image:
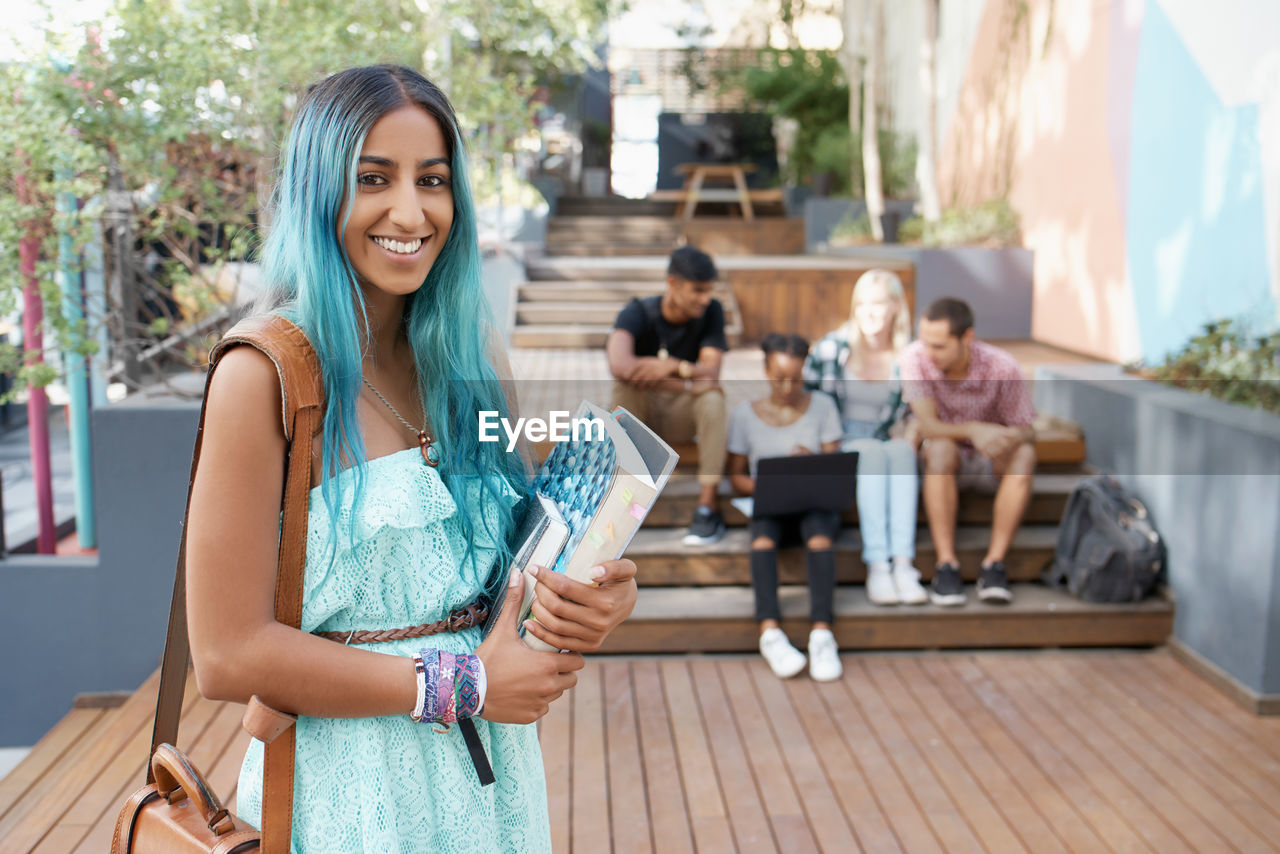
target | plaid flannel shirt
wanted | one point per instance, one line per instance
(824, 371)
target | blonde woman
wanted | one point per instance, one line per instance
(856, 365)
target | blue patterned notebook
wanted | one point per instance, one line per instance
(604, 482)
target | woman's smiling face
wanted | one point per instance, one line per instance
(403, 206)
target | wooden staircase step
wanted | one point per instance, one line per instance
(583, 291)
(600, 270)
(580, 248)
(663, 559)
(581, 336)
(563, 335)
(567, 313)
(674, 507)
(684, 620)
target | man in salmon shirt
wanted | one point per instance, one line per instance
(973, 417)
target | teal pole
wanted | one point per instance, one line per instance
(77, 384)
(95, 304)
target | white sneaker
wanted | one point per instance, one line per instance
(784, 659)
(824, 656)
(881, 589)
(906, 579)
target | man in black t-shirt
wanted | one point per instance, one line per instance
(664, 353)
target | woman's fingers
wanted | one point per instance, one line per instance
(567, 618)
(572, 643)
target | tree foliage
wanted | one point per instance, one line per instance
(188, 102)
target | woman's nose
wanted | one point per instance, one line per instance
(406, 210)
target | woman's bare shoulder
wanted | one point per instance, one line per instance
(244, 398)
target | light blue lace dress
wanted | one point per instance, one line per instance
(386, 785)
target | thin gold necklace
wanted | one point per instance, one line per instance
(426, 443)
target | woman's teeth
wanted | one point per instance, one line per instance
(398, 247)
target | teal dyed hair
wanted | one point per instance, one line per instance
(310, 280)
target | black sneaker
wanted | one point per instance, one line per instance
(993, 584)
(947, 589)
(706, 528)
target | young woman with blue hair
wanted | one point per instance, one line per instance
(372, 253)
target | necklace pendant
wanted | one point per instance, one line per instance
(430, 453)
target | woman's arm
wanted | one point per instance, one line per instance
(739, 475)
(237, 646)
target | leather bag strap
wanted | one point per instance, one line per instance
(302, 402)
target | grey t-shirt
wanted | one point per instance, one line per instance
(753, 438)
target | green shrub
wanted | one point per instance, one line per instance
(994, 222)
(851, 230)
(1228, 362)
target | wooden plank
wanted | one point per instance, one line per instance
(44, 758)
(938, 807)
(61, 839)
(1143, 798)
(668, 811)
(977, 809)
(791, 830)
(1080, 775)
(826, 819)
(900, 808)
(590, 813)
(668, 561)
(555, 733)
(1042, 790)
(854, 791)
(1208, 765)
(199, 726)
(721, 619)
(729, 752)
(1004, 791)
(46, 801)
(1203, 779)
(1241, 742)
(628, 804)
(1173, 682)
(675, 505)
(707, 814)
(225, 773)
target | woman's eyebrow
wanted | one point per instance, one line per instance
(389, 163)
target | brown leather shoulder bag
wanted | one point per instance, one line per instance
(176, 812)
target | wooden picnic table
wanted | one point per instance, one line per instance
(697, 175)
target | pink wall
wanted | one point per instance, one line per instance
(1034, 121)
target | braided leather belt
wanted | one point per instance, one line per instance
(464, 618)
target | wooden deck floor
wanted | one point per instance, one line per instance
(921, 752)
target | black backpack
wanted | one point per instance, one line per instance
(1108, 550)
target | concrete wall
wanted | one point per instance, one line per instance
(1209, 472)
(98, 624)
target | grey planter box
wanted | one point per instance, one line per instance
(1209, 472)
(87, 624)
(997, 283)
(823, 213)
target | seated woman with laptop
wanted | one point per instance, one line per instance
(790, 421)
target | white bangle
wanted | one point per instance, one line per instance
(482, 683)
(419, 670)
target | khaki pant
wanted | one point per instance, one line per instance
(679, 417)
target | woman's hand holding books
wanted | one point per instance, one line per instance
(522, 683)
(578, 617)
